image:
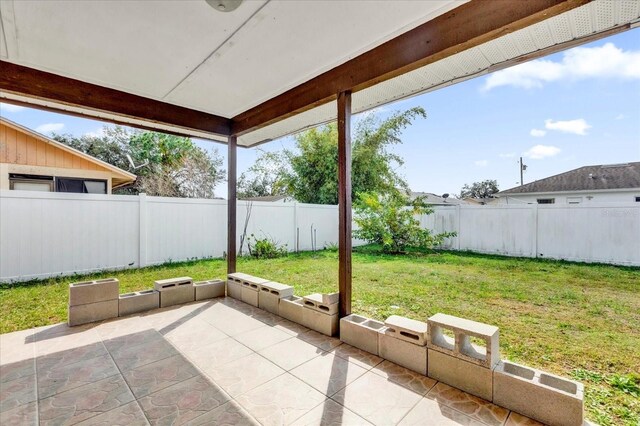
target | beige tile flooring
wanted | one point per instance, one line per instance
(217, 362)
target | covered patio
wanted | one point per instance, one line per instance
(217, 362)
(263, 71)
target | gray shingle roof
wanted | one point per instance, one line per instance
(588, 178)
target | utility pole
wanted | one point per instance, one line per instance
(523, 167)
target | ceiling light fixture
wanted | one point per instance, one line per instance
(224, 5)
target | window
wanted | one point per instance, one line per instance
(637, 199)
(546, 200)
(81, 186)
(31, 183)
(574, 200)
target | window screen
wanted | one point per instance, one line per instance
(81, 186)
(546, 200)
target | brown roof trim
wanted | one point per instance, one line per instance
(466, 26)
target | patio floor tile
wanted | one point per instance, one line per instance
(516, 419)
(65, 338)
(17, 346)
(328, 373)
(330, 413)
(240, 376)
(70, 356)
(470, 405)
(64, 377)
(158, 375)
(357, 356)
(325, 343)
(17, 392)
(291, 353)
(216, 354)
(24, 415)
(126, 415)
(129, 357)
(120, 343)
(378, 400)
(262, 338)
(230, 413)
(430, 412)
(85, 402)
(16, 370)
(405, 377)
(182, 402)
(194, 333)
(281, 401)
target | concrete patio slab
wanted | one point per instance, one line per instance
(218, 361)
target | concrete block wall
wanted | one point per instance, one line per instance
(270, 295)
(175, 291)
(360, 332)
(209, 289)
(139, 301)
(91, 301)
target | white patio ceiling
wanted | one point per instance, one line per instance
(186, 53)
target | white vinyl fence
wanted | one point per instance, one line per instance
(49, 234)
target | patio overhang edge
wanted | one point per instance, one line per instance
(464, 27)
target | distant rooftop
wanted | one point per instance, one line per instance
(587, 178)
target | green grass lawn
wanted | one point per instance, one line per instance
(576, 320)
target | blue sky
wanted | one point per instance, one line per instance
(574, 108)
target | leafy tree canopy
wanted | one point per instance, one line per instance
(485, 189)
(313, 177)
(176, 166)
(265, 177)
(392, 221)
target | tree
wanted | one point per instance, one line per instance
(265, 177)
(392, 222)
(485, 189)
(313, 177)
(176, 166)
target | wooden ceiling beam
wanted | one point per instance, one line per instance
(45, 86)
(464, 27)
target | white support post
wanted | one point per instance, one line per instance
(142, 228)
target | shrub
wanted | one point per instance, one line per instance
(392, 221)
(265, 248)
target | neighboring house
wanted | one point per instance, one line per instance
(612, 183)
(436, 200)
(269, 198)
(30, 161)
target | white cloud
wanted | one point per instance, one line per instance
(577, 127)
(607, 61)
(537, 133)
(49, 127)
(538, 152)
(10, 108)
(507, 155)
(481, 163)
(620, 117)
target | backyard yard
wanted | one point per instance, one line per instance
(577, 320)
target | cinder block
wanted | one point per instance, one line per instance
(209, 289)
(470, 377)
(93, 291)
(234, 289)
(171, 283)
(270, 295)
(544, 397)
(462, 347)
(320, 322)
(246, 278)
(140, 301)
(291, 308)
(331, 298)
(360, 332)
(402, 352)
(250, 293)
(175, 291)
(314, 301)
(91, 312)
(407, 329)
